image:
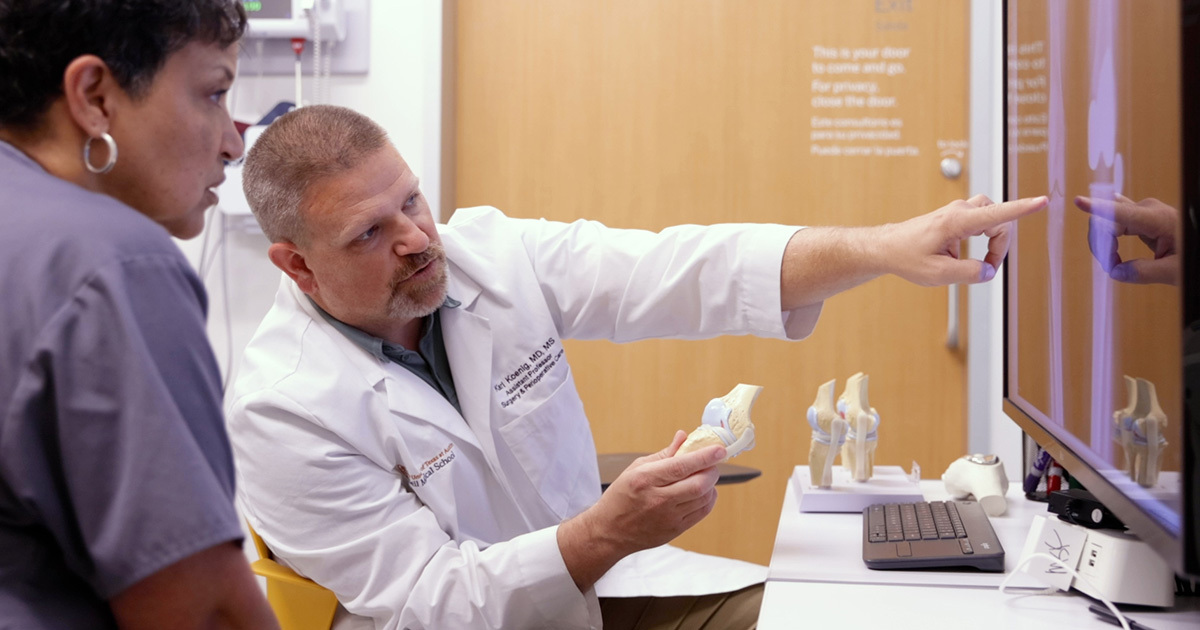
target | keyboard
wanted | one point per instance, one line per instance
(927, 535)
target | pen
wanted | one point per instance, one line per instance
(1053, 477)
(1102, 611)
(1036, 470)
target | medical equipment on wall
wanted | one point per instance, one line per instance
(233, 200)
(295, 18)
(316, 25)
(314, 37)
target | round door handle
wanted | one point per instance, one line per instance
(951, 167)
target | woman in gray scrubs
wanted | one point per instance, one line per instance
(116, 480)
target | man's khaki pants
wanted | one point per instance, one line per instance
(721, 611)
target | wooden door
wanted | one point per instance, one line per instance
(646, 114)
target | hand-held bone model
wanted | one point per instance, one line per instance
(828, 432)
(726, 422)
(858, 453)
(1138, 428)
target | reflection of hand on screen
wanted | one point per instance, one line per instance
(1151, 220)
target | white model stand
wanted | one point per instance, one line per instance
(890, 484)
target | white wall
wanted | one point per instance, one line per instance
(402, 92)
(989, 429)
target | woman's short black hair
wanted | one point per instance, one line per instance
(39, 38)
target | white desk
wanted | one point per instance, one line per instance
(817, 577)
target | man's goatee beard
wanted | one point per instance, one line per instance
(427, 298)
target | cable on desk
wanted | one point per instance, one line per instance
(1075, 574)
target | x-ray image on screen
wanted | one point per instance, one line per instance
(1094, 324)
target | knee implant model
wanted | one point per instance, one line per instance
(828, 432)
(1138, 428)
(1123, 425)
(858, 452)
(726, 422)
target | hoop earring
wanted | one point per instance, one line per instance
(112, 154)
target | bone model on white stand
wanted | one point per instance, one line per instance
(726, 422)
(1123, 425)
(828, 432)
(1139, 429)
(858, 453)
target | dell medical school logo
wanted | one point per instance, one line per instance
(428, 468)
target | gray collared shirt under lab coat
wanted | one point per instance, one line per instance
(428, 362)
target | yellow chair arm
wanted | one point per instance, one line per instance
(298, 602)
(274, 571)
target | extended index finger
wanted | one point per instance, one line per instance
(980, 219)
(1103, 208)
(1128, 216)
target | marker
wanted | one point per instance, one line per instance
(1036, 471)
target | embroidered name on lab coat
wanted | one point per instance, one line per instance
(428, 467)
(529, 373)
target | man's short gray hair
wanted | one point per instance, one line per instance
(300, 148)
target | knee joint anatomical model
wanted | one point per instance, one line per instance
(726, 422)
(851, 427)
(858, 452)
(828, 432)
(1138, 428)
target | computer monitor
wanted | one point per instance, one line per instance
(1101, 114)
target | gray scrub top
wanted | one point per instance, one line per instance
(114, 462)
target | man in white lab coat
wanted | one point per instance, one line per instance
(405, 422)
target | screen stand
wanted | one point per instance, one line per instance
(1111, 564)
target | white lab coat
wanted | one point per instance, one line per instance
(359, 475)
